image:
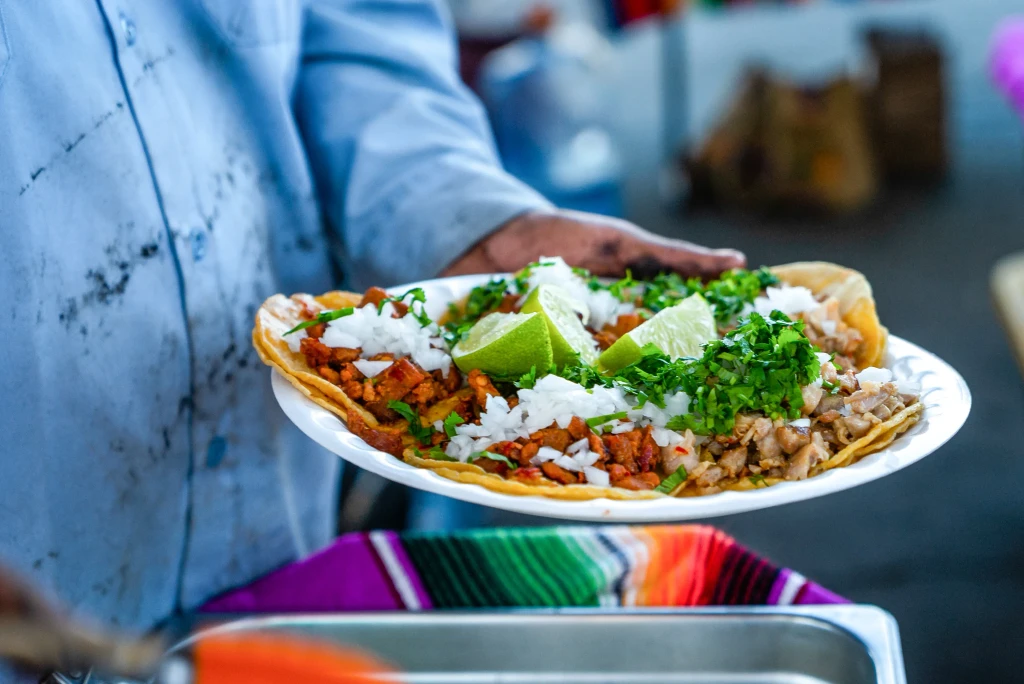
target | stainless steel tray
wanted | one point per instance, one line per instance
(805, 645)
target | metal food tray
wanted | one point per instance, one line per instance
(805, 645)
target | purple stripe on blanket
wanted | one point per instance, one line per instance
(346, 576)
(801, 592)
(815, 594)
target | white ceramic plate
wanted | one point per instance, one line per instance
(947, 403)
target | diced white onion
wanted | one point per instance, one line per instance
(675, 405)
(375, 332)
(577, 446)
(664, 438)
(545, 454)
(568, 463)
(337, 339)
(876, 375)
(555, 400)
(787, 299)
(596, 476)
(372, 368)
(828, 327)
(586, 458)
(800, 423)
(295, 340)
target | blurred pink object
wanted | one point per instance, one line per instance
(1008, 60)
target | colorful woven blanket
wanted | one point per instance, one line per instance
(671, 565)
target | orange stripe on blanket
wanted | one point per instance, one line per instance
(677, 572)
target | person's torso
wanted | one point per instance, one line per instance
(153, 191)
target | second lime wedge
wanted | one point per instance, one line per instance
(569, 338)
(505, 344)
(679, 331)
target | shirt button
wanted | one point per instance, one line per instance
(128, 29)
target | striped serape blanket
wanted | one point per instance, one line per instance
(607, 566)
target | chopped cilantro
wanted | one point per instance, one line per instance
(756, 479)
(416, 427)
(601, 420)
(453, 332)
(667, 289)
(436, 453)
(527, 380)
(584, 374)
(649, 379)
(735, 289)
(322, 317)
(759, 366)
(521, 280)
(417, 312)
(494, 457)
(622, 289)
(482, 300)
(672, 481)
(653, 376)
(453, 420)
(728, 295)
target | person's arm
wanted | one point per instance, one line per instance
(401, 150)
(406, 168)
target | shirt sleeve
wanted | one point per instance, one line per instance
(400, 149)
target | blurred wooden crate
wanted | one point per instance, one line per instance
(907, 104)
(789, 147)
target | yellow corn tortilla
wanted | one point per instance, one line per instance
(877, 438)
(280, 314)
(856, 303)
(472, 474)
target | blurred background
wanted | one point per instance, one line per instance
(870, 133)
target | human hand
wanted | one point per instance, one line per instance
(602, 245)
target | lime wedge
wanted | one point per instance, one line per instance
(568, 336)
(505, 344)
(678, 331)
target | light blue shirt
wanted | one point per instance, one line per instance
(164, 167)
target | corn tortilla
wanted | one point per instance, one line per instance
(856, 302)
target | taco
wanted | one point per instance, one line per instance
(786, 384)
